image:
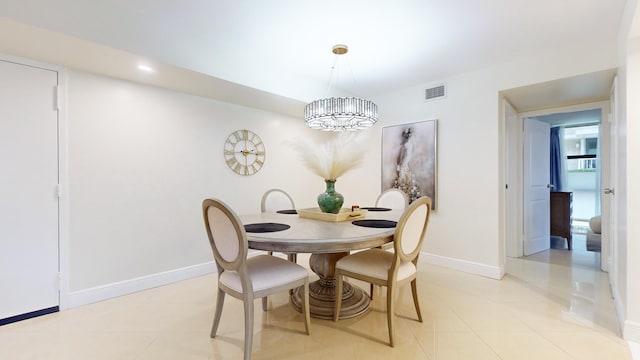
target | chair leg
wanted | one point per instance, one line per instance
(248, 327)
(218, 313)
(371, 291)
(338, 301)
(414, 292)
(391, 289)
(307, 311)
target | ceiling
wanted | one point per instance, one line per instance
(580, 89)
(283, 47)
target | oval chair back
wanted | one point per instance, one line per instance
(393, 199)
(227, 237)
(411, 230)
(276, 199)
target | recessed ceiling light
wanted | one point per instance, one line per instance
(145, 68)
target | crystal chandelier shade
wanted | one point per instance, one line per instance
(341, 113)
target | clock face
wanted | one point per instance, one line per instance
(244, 152)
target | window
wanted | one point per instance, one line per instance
(591, 146)
(581, 144)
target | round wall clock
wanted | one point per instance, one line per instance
(244, 152)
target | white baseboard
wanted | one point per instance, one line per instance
(493, 272)
(619, 308)
(634, 347)
(104, 292)
(108, 291)
(631, 331)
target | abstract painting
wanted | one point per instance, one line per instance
(409, 159)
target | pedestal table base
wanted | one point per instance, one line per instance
(322, 292)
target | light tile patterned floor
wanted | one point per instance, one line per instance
(552, 305)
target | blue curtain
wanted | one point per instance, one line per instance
(556, 160)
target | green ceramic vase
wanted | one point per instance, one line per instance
(330, 201)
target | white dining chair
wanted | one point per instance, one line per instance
(274, 200)
(243, 278)
(390, 269)
(393, 199)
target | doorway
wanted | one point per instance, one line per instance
(557, 270)
(577, 172)
(583, 142)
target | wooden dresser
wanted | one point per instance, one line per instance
(560, 204)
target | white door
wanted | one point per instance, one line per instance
(537, 229)
(28, 191)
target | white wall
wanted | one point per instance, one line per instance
(465, 225)
(465, 231)
(629, 228)
(627, 289)
(142, 159)
(632, 207)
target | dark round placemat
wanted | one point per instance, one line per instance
(287, 211)
(376, 208)
(374, 223)
(265, 227)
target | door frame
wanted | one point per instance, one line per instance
(512, 184)
(516, 186)
(63, 174)
(610, 262)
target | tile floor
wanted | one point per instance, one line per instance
(553, 305)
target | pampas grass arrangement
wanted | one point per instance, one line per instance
(332, 159)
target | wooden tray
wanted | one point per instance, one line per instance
(345, 214)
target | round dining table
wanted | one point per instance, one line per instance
(327, 241)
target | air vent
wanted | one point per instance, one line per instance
(434, 93)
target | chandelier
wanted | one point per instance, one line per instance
(340, 113)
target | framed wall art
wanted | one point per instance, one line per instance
(409, 159)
